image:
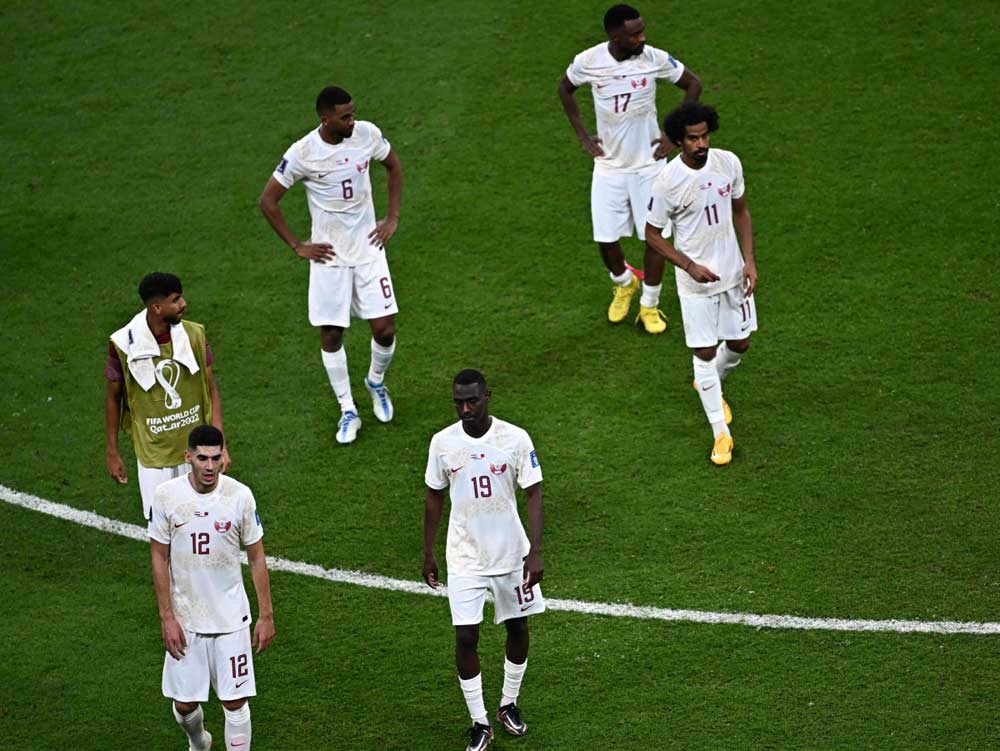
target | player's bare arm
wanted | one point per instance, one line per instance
(691, 85)
(655, 240)
(269, 200)
(213, 393)
(263, 630)
(533, 568)
(744, 233)
(386, 228)
(173, 635)
(433, 505)
(591, 144)
(112, 418)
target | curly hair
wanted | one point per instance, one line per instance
(689, 113)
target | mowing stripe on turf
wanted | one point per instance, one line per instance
(618, 610)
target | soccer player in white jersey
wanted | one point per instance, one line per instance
(702, 196)
(199, 522)
(627, 150)
(483, 460)
(348, 271)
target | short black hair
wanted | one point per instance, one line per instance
(158, 284)
(468, 376)
(329, 98)
(205, 435)
(689, 113)
(617, 15)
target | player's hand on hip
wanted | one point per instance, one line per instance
(749, 278)
(430, 571)
(116, 468)
(592, 145)
(662, 147)
(533, 570)
(383, 232)
(702, 274)
(315, 251)
(263, 633)
(173, 638)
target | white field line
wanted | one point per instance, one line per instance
(617, 610)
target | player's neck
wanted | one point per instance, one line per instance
(157, 326)
(202, 489)
(617, 53)
(331, 138)
(479, 430)
(690, 164)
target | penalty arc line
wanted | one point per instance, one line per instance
(617, 610)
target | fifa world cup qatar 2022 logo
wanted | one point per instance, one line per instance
(168, 373)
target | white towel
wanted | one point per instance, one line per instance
(140, 347)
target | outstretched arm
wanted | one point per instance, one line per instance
(268, 203)
(590, 144)
(656, 241)
(433, 504)
(386, 228)
(263, 631)
(744, 232)
(533, 568)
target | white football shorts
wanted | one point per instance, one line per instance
(150, 479)
(466, 595)
(224, 660)
(619, 204)
(728, 316)
(336, 292)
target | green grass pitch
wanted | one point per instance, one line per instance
(138, 136)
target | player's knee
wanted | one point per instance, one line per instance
(466, 639)
(185, 707)
(706, 353)
(235, 705)
(517, 628)
(740, 345)
(385, 333)
(331, 338)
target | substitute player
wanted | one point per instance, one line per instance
(483, 460)
(348, 271)
(199, 522)
(702, 196)
(627, 150)
(159, 385)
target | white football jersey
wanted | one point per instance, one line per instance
(485, 534)
(204, 533)
(700, 205)
(625, 102)
(338, 189)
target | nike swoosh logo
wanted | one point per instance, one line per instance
(455, 469)
(181, 524)
(388, 305)
(525, 607)
(240, 684)
(709, 388)
(599, 85)
(321, 175)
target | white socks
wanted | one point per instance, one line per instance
(381, 357)
(193, 725)
(473, 690)
(726, 360)
(513, 674)
(336, 369)
(238, 728)
(710, 393)
(623, 279)
(650, 295)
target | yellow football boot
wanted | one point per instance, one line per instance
(722, 451)
(622, 300)
(652, 320)
(727, 413)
